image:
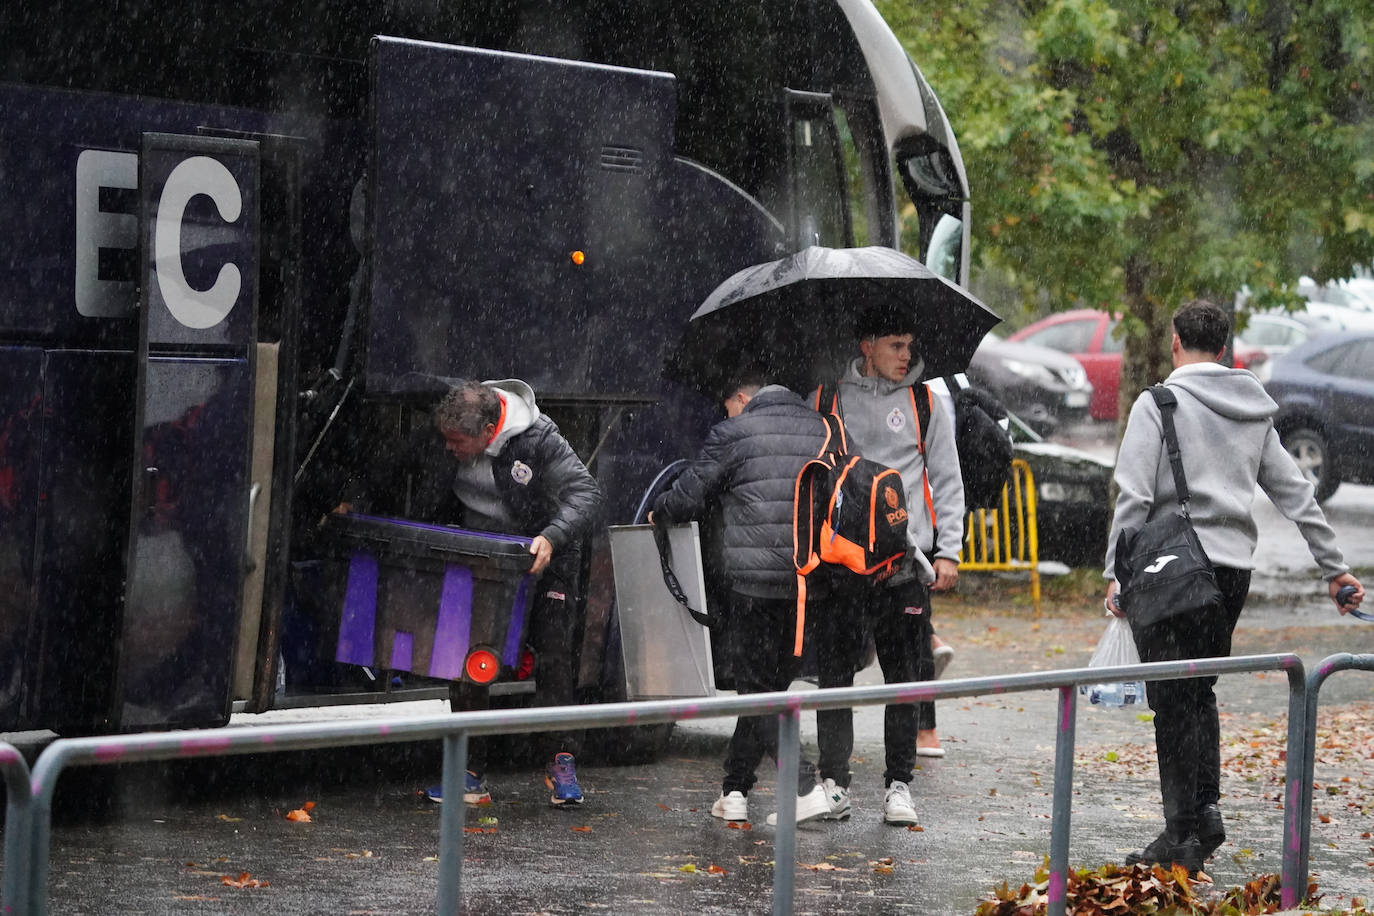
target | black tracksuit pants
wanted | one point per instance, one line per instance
(762, 635)
(899, 618)
(1187, 727)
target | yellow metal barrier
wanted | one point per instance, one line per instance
(1006, 538)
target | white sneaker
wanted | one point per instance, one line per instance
(814, 804)
(943, 654)
(733, 806)
(838, 799)
(897, 807)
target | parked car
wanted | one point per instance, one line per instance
(1356, 293)
(1045, 387)
(1071, 489)
(1073, 513)
(1087, 335)
(1325, 393)
(1274, 334)
(1323, 317)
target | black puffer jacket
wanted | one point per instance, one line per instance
(750, 462)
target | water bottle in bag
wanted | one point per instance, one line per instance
(1114, 649)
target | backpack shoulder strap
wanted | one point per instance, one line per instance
(1167, 401)
(922, 408)
(826, 398)
(836, 439)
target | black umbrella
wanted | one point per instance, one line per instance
(794, 318)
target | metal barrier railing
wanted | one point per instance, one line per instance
(18, 842)
(1297, 809)
(1006, 538)
(26, 865)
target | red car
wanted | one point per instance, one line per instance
(1087, 335)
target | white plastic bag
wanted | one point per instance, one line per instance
(1115, 648)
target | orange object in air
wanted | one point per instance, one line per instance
(578, 257)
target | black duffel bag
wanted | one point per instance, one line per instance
(1161, 568)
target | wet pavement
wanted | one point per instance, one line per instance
(159, 839)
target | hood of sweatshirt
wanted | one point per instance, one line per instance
(877, 384)
(518, 413)
(1233, 393)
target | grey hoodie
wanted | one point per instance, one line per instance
(1226, 434)
(878, 415)
(472, 480)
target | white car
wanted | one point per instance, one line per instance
(1356, 293)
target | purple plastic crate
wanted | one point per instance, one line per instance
(420, 598)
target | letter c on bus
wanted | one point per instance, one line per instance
(192, 307)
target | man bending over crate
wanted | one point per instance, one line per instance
(512, 472)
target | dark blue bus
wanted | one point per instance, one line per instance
(240, 237)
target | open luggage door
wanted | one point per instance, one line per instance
(198, 279)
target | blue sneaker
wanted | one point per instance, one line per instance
(562, 779)
(474, 790)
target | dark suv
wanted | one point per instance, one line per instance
(1325, 393)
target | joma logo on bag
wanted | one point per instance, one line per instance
(1160, 563)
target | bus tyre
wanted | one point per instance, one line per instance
(1309, 451)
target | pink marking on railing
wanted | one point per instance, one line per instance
(1295, 835)
(917, 694)
(110, 752)
(1055, 892)
(690, 711)
(1065, 716)
(384, 729)
(634, 717)
(193, 746)
(267, 739)
(10, 756)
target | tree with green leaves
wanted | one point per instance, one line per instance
(1130, 155)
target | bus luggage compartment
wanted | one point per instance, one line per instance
(431, 600)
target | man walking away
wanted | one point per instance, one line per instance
(881, 400)
(1225, 422)
(750, 462)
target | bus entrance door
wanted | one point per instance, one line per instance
(198, 282)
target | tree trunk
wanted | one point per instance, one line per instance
(1146, 359)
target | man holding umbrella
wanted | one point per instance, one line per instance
(888, 414)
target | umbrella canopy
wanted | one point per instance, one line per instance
(793, 319)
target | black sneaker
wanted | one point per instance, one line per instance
(1167, 850)
(1211, 832)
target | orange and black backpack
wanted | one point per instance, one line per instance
(850, 518)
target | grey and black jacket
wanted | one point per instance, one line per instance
(750, 463)
(544, 486)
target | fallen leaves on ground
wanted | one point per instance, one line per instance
(301, 815)
(243, 880)
(1118, 890)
